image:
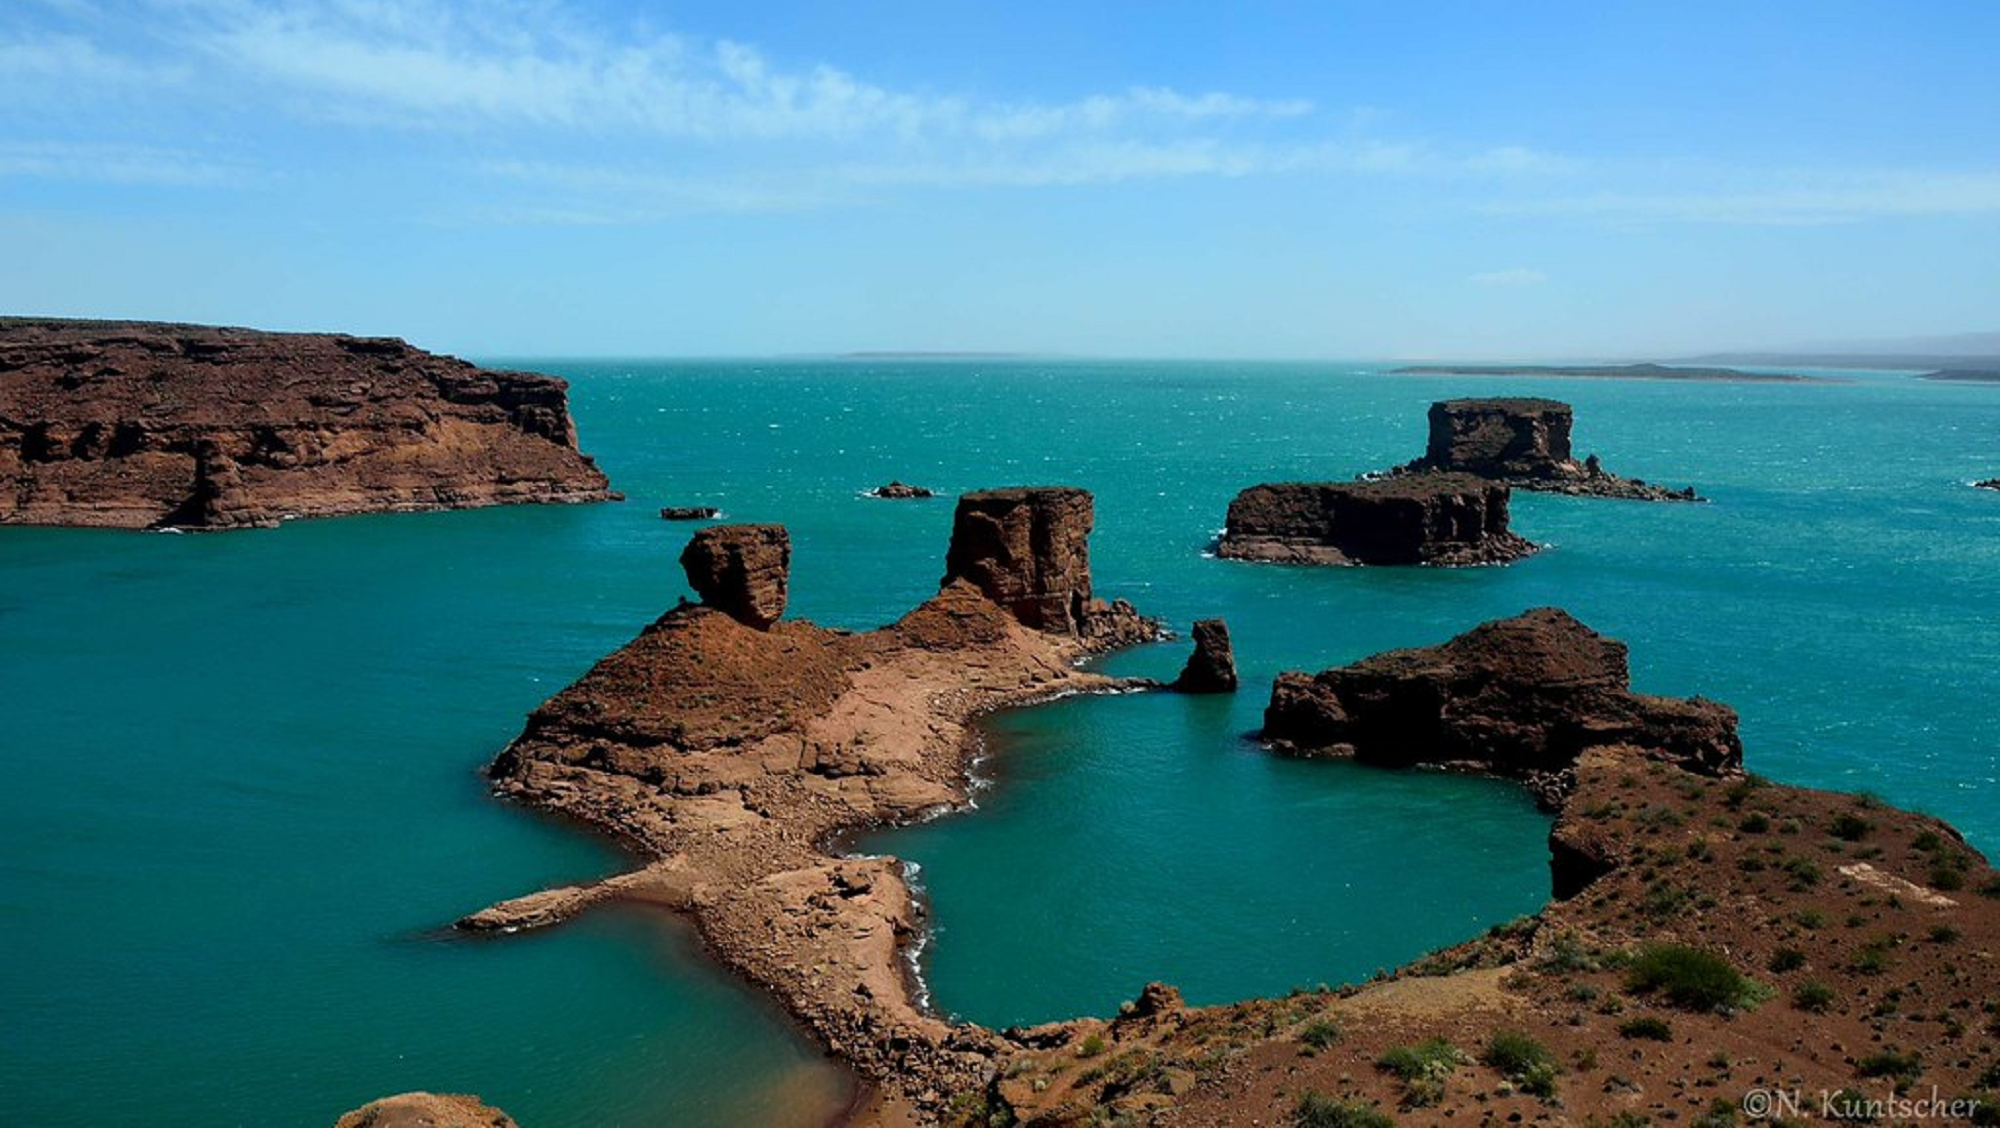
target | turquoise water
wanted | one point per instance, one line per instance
(242, 784)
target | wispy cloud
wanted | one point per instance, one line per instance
(1786, 200)
(1507, 279)
(120, 164)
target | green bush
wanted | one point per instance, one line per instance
(1316, 1111)
(1423, 1068)
(1787, 959)
(1648, 1028)
(1320, 1033)
(1813, 996)
(1092, 1046)
(1525, 1061)
(1691, 978)
(1850, 827)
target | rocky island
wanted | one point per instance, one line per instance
(1524, 442)
(901, 491)
(1611, 372)
(1445, 520)
(137, 425)
(730, 748)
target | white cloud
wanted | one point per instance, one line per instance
(1508, 279)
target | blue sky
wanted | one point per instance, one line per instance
(596, 177)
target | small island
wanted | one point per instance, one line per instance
(137, 425)
(1441, 520)
(1611, 372)
(1525, 443)
(1964, 376)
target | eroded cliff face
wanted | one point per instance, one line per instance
(1447, 520)
(744, 571)
(1028, 550)
(1523, 697)
(139, 425)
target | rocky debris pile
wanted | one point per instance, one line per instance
(426, 1110)
(741, 570)
(689, 513)
(1212, 666)
(138, 425)
(900, 491)
(1448, 520)
(1521, 697)
(1028, 549)
(1525, 443)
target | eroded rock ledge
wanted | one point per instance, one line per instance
(1445, 520)
(731, 748)
(138, 425)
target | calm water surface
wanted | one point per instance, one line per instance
(242, 769)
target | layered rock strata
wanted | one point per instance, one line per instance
(731, 755)
(1525, 443)
(139, 425)
(1445, 520)
(1523, 697)
(743, 571)
(1027, 549)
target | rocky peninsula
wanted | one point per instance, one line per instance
(1525, 443)
(1612, 372)
(731, 749)
(139, 425)
(1444, 520)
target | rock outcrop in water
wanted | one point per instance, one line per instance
(1521, 697)
(426, 1110)
(1027, 550)
(1989, 484)
(1447, 520)
(138, 425)
(743, 571)
(689, 513)
(1526, 444)
(900, 491)
(1212, 666)
(731, 752)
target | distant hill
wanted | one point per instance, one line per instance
(1608, 372)
(1979, 351)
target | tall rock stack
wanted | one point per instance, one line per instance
(1501, 438)
(1212, 666)
(741, 570)
(1028, 549)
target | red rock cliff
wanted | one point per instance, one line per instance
(137, 425)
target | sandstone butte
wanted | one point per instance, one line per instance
(138, 425)
(1712, 934)
(1525, 443)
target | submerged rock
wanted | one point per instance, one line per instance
(136, 425)
(1521, 697)
(741, 570)
(426, 1110)
(689, 513)
(1989, 484)
(1524, 442)
(1028, 549)
(1212, 666)
(1440, 519)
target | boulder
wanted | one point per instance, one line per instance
(1521, 697)
(1439, 519)
(741, 570)
(140, 425)
(1212, 666)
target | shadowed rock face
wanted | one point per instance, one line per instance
(1500, 438)
(741, 570)
(1521, 697)
(1028, 549)
(134, 425)
(1212, 666)
(1439, 519)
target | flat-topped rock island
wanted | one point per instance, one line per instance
(1445, 520)
(136, 425)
